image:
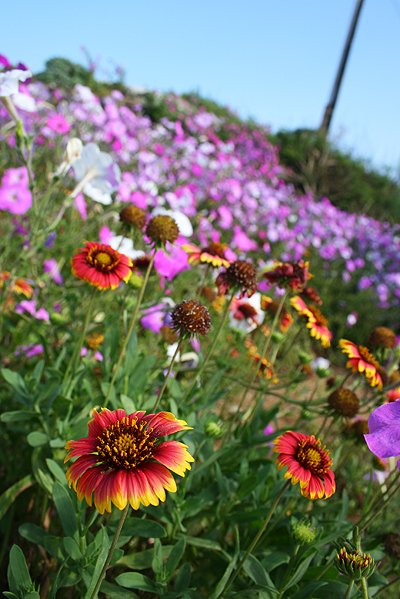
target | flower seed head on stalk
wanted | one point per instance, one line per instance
(355, 564)
(382, 337)
(133, 216)
(162, 228)
(344, 402)
(240, 275)
(191, 318)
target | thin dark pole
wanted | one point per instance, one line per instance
(326, 121)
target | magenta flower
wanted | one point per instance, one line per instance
(384, 431)
(57, 123)
(29, 306)
(30, 351)
(170, 264)
(51, 267)
(15, 196)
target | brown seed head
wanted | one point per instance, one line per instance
(382, 337)
(162, 228)
(133, 216)
(191, 318)
(240, 275)
(344, 402)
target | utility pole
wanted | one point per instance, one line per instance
(326, 121)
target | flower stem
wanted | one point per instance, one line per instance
(110, 553)
(258, 365)
(349, 590)
(212, 347)
(364, 588)
(77, 351)
(164, 385)
(130, 330)
(256, 539)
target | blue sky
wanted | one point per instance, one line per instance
(274, 60)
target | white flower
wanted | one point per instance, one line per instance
(73, 151)
(125, 246)
(97, 173)
(184, 224)
(245, 314)
(24, 102)
(9, 81)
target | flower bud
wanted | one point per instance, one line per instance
(355, 564)
(302, 531)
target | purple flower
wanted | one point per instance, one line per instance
(29, 350)
(169, 264)
(15, 196)
(29, 306)
(51, 267)
(384, 426)
(157, 316)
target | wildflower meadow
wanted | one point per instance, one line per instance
(200, 385)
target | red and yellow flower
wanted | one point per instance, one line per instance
(316, 322)
(214, 254)
(361, 360)
(272, 306)
(122, 461)
(308, 462)
(100, 265)
(293, 275)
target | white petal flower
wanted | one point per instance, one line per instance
(245, 314)
(9, 81)
(125, 246)
(97, 173)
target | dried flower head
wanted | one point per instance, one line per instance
(162, 228)
(240, 275)
(133, 216)
(344, 402)
(382, 337)
(191, 318)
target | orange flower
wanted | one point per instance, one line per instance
(100, 265)
(121, 460)
(213, 254)
(272, 306)
(316, 322)
(361, 360)
(307, 462)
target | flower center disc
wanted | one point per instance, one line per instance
(367, 356)
(125, 444)
(313, 458)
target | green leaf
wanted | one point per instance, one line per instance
(18, 575)
(143, 559)
(72, 548)
(157, 562)
(310, 589)
(56, 471)
(182, 580)
(115, 592)
(65, 509)
(255, 570)
(134, 580)
(203, 543)
(127, 403)
(143, 528)
(17, 416)
(299, 572)
(8, 497)
(101, 558)
(37, 439)
(16, 382)
(37, 535)
(175, 557)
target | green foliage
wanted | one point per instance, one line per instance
(316, 165)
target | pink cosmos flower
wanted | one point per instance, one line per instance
(57, 122)
(169, 264)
